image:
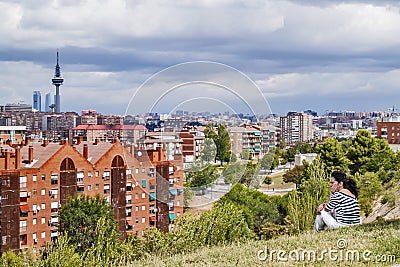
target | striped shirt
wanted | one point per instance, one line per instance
(345, 207)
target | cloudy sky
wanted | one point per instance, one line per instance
(319, 55)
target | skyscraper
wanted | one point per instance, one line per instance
(37, 101)
(57, 81)
(47, 102)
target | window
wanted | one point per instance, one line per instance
(34, 192)
(43, 235)
(152, 196)
(34, 221)
(54, 220)
(43, 191)
(90, 174)
(54, 178)
(128, 199)
(53, 193)
(97, 173)
(34, 236)
(137, 220)
(106, 189)
(144, 183)
(106, 175)
(143, 207)
(43, 206)
(137, 208)
(143, 220)
(54, 206)
(128, 173)
(151, 172)
(34, 178)
(97, 186)
(89, 187)
(79, 177)
(43, 177)
(128, 211)
(22, 226)
(128, 186)
(143, 195)
(22, 181)
(137, 170)
(136, 196)
(143, 170)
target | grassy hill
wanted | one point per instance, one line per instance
(376, 244)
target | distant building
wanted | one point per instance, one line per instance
(37, 101)
(127, 134)
(16, 108)
(296, 127)
(257, 140)
(389, 129)
(47, 103)
(193, 142)
(15, 134)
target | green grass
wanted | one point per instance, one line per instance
(376, 240)
(277, 183)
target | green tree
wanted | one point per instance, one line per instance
(248, 178)
(245, 155)
(313, 191)
(61, 254)
(222, 142)
(383, 157)
(370, 189)
(259, 207)
(201, 176)
(10, 259)
(332, 155)
(269, 161)
(234, 172)
(360, 150)
(209, 132)
(209, 150)
(288, 154)
(79, 217)
(302, 148)
(368, 154)
(294, 175)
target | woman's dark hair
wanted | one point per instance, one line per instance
(348, 183)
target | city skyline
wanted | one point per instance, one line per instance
(302, 55)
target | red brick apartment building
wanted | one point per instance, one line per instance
(389, 130)
(38, 178)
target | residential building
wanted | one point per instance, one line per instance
(127, 134)
(13, 134)
(144, 188)
(296, 127)
(192, 144)
(389, 129)
(258, 140)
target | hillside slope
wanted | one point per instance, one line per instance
(386, 211)
(376, 244)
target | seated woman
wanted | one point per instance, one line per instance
(342, 208)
